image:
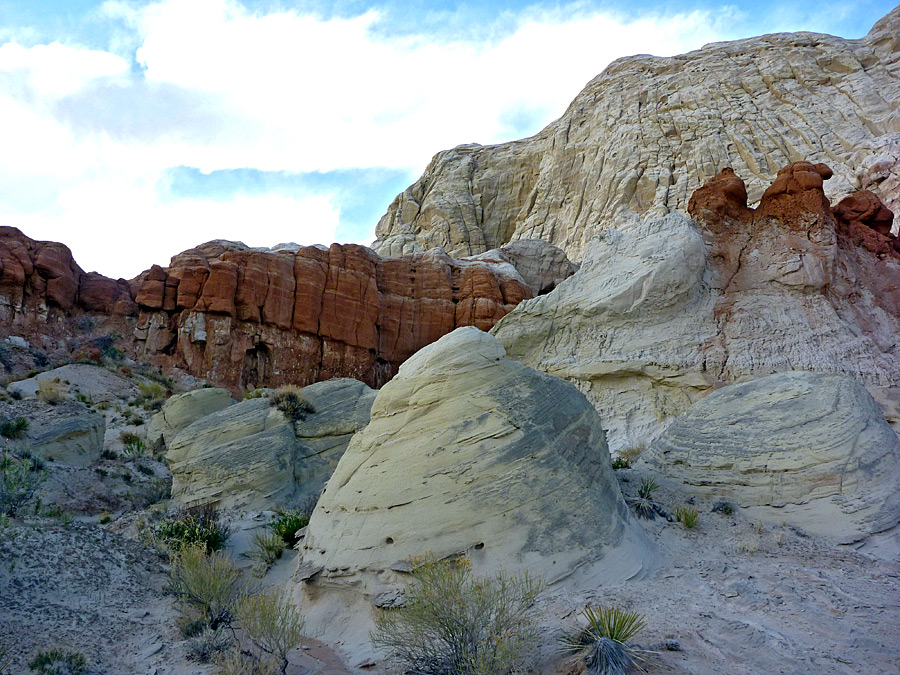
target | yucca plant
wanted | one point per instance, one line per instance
(603, 642)
(647, 488)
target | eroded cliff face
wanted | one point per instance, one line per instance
(242, 318)
(648, 131)
(663, 312)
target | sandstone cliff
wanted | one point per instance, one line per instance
(242, 318)
(644, 134)
(660, 314)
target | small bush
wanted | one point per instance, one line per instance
(18, 482)
(287, 523)
(725, 508)
(236, 663)
(271, 622)
(687, 516)
(128, 437)
(83, 398)
(647, 487)
(108, 454)
(195, 525)
(135, 447)
(50, 391)
(208, 582)
(204, 647)
(620, 463)
(631, 453)
(14, 428)
(267, 548)
(58, 662)
(603, 642)
(643, 508)
(454, 624)
(105, 518)
(292, 402)
(255, 393)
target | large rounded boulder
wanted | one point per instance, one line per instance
(470, 452)
(810, 449)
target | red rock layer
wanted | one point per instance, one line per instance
(241, 318)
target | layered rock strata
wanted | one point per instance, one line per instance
(242, 318)
(815, 446)
(471, 452)
(250, 455)
(645, 133)
(660, 314)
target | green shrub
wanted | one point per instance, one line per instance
(195, 525)
(620, 463)
(207, 582)
(108, 454)
(287, 523)
(687, 516)
(647, 487)
(292, 402)
(83, 398)
(271, 622)
(603, 642)
(14, 428)
(58, 662)
(454, 624)
(267, 548)
(135, 447)
(237, 663)
(18, 482)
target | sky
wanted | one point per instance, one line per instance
(131, 130)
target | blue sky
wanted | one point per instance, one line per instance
(136, 129)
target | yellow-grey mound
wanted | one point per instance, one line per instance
(469, 451)
(809, 449)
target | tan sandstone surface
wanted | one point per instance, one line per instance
(645, 133)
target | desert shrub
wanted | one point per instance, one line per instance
(195, 525)
(19, 480)
(108, 454)
(643, 508)
(631, 453)
(207, 644)
(83, 398)
(255, 393)
(620, 463)
(16, 395)
(647, 487)
(292, 402)
(58, 662)
(50, 391)
(287, 523)
(454, 624)
(144, 469)
(687, 516)
(237, 663)
(14, 428)
(267, 548)
(134, 447)
(271, 623)
(206, 582)
(603, 642)
(725, 508)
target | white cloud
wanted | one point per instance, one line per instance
(87, 142)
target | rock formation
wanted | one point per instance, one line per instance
(469, 451)
(815, 446)
(663, 312)
(247, 318)
(250, 455)
(645, 133)
(183, 410)
(242, 318)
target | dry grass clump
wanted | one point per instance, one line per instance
(631, 453)
(236, 663)
(201, 524)
(603, 642)
(454, 624)
(50, 391)
(292, 402)
(58, 662)
(19, 480)
(267, 548)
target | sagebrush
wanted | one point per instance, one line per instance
(271, 622)
(207, 582)
(452, 623)
(292, 402)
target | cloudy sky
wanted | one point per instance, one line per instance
(133, 129)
